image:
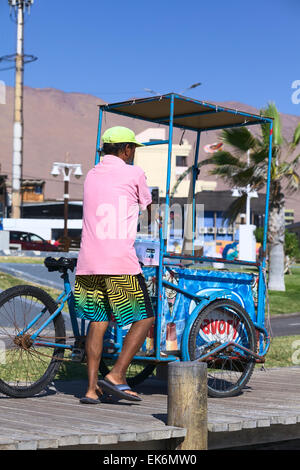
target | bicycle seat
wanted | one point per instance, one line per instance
(62, 264)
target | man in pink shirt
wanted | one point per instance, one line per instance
(109, 284)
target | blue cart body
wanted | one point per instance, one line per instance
(179, 311)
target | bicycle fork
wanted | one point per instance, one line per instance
(232, 345)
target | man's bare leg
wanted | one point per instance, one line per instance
(94, 345)
(132, 343)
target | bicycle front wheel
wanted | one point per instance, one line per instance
(27, 367)
(224, 322)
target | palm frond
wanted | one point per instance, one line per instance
(272, 112)
(236, 207)
(293, 181)
(239, 138)
(283, 169)
(296, 161)
(186, 172)
(294, 164)
(232, 165)
(265, 130)
(181, 177)
(225, 172)
(224, 158)
(296, 137)
(253, 176)
(261, 155)
(286, 169)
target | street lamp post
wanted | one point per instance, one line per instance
(237, 192)
(66, 169)
(246, 231)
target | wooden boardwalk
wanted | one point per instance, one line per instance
(268, 410)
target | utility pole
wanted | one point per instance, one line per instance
(17, 166)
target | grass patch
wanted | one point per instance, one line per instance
(25, 367)
(7, 281)
(288, 301)
(281, 352)
(71, 370)
(21, 366)
(21, 259)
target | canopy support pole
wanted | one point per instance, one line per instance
(195, 176)
(190, 216)
(97, 156)
(262, 281)
(163, 236)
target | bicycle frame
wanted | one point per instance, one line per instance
(67, 297)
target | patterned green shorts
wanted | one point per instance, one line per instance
(120, 298)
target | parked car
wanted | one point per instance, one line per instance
(30, 241)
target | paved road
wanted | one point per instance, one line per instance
(285, 325)
(36, 273)
(280, 325)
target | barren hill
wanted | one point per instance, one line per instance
(57, 123)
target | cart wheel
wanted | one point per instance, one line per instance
(137, 371)
(27, 368)
(220, 322)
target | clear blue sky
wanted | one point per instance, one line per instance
(241, 51)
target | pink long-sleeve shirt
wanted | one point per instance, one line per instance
(113, 193)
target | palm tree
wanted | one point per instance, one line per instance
(247, 164)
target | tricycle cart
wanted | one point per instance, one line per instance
(216, 316)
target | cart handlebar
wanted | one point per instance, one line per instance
(211, 259)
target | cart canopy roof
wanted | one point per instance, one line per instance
(188, 113)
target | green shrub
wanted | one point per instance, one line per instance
(291, 242)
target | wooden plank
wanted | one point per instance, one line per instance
(260, 419)
(271, 399)
(7, 443)
(79, 429)
(240, 421)
(57, 419)
(87, 413)
(121, 408)
(35, 441)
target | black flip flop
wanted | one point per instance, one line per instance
(90, 401)
(118, 390)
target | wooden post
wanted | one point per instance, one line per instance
(187, 402)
